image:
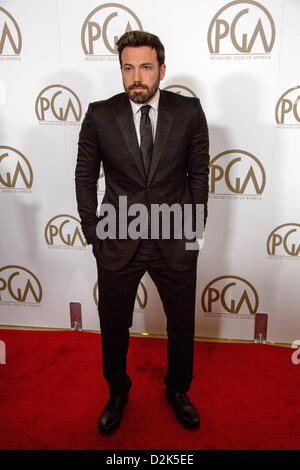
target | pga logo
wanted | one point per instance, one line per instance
(104, 26)
(15, 169)
(241, 27)
(10, 35)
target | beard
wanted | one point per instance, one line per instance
(141, 97)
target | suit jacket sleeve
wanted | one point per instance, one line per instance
(198, 159)
(86, 176)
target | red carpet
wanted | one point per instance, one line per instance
(52, 392)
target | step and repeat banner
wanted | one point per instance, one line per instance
(241, 59)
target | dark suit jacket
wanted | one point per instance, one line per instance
(178, 171)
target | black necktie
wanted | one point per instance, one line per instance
(146, 136)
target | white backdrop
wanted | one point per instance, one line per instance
(241, 59)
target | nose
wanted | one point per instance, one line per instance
(137, 75)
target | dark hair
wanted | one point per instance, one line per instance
(141, 38)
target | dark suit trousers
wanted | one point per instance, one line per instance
(117, 292)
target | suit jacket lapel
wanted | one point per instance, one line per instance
(164, 123)
(126, 124)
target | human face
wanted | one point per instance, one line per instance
(141, 73)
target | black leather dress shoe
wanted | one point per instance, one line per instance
(185, 411)
(111, 415)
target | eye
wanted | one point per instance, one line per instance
(127, 68)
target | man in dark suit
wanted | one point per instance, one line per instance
(154, 149)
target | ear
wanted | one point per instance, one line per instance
(162, 71)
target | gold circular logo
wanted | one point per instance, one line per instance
(236, 172)
(181, 90)
(15, 169)
(230, 293)
(10, 34)
(286, 111)
(284, 240)
(58, 103)
(18, 284)
(231, 30)
(64, 230)
(107, 22)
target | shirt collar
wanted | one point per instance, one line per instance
(153, 103)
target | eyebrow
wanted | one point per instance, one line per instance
(144, 63)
